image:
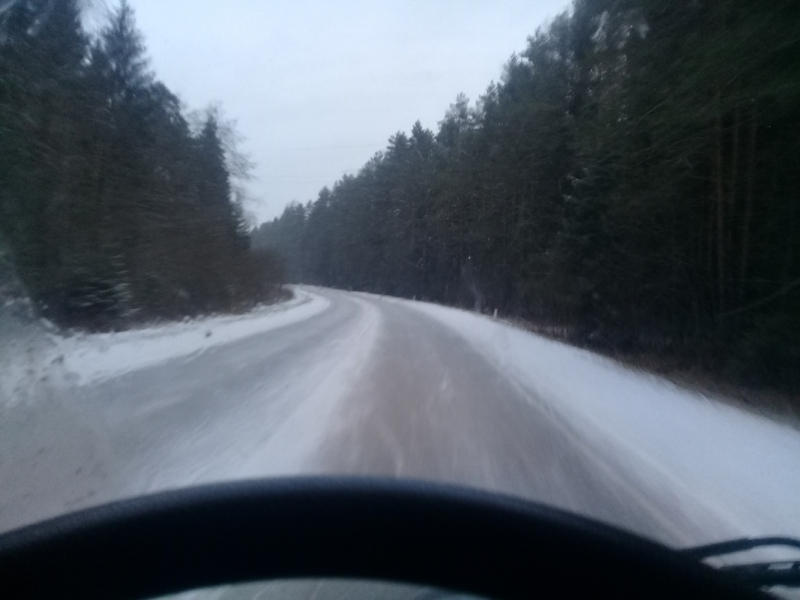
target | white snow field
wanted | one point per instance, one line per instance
(346, 383)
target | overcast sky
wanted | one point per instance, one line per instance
(318, 87)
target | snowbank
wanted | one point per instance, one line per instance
(91, 357)
(27, 353)
(743, 468)
(25, 348)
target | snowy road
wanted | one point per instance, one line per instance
(357, 384)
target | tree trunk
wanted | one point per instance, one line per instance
(734, 178)
(748, 209)
(720, 200)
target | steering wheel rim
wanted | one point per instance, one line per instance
(403, 531)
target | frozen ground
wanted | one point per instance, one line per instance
(337, 382)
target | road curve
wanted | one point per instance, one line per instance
(369, 386)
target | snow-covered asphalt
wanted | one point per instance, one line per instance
(349, 383)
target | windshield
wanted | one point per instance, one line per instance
(546, 249)
(323, 589)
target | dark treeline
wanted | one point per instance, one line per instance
(633, 181)
(114, 207)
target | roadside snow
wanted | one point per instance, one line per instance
(739, 467)
(26, 353)
(92, 357)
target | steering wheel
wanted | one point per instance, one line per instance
(377, 529)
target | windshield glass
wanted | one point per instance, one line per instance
(321, 589)
(546, 249)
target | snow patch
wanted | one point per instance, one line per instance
(28, 360)
(92, 357)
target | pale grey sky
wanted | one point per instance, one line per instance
(318, 87)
